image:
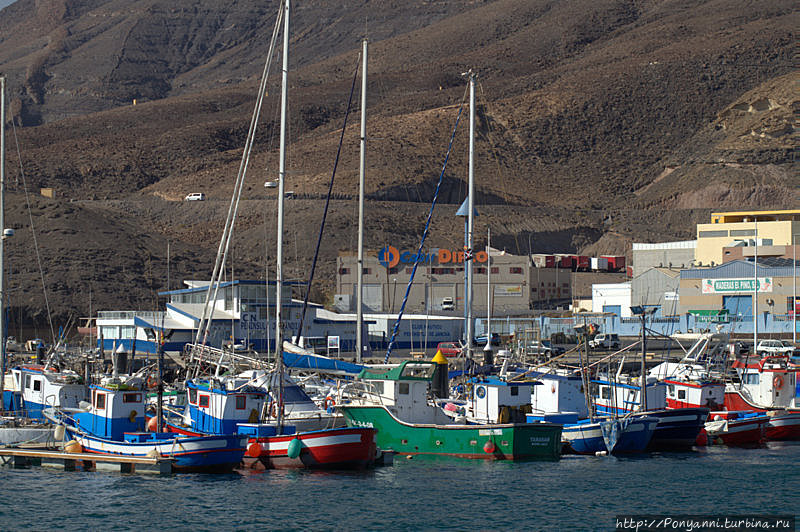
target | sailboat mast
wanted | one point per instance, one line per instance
(361, 170)
(470, 213)
(281, 189)
(2, 239)
(755, 289)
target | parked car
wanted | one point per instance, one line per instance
(481, 340)
(605, 341)
(195, 196)
(774, 347)
(740, 348)
(449, 349)
(543, 347)
(795, 351)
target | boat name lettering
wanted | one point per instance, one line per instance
(364, 424)
(490, 432)
(539, 440)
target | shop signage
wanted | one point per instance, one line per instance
(729, 286)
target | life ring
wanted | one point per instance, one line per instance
(152, 382)
(777, 381)
(329, 402)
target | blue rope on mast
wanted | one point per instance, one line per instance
(325, 212)
(424, 236)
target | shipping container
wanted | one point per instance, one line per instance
(583, 263)
(599, 264)
(615, 263)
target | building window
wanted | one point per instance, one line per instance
(712, 234)
(495, 269)
(366, 271)
(481, 271)
(410, 270)
(515, 269)
(743, 232)
(344, 271)
(533, 289)
(241, 402)
(203, 401)
(394, 270)
(100, 401)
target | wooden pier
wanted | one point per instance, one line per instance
(52, 457)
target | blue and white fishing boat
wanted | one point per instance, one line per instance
(561, 399)
(677, 428)
(113, 423)
(41, 387)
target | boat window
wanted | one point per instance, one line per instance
(403, 388)
(751, 378)
(671, 389)
(37, 385)
(100, 401)
(681, 394)
(131, 398)
(424, 371)
(241, 402)
(203, 401)
(605, 392)
(193, 396)
(27, 381)
(515, 390)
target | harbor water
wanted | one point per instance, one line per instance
(575, 493)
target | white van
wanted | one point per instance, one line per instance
(195, 196)
(447, 303)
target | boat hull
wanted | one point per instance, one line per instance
(513, 441)
(784, 425)
(191, 453)
(738, 432)
(677, 429)
(345, 448)
(342, 448)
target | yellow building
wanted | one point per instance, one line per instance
(775, 228)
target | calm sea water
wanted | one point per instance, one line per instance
(576, 493)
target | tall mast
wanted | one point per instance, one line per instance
(470, 212)
(487, 358)
(755, 289)
(281, 188)
(2, 238)
(361, 170)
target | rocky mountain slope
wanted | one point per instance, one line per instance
(599, 123)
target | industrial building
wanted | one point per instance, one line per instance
(518, 284)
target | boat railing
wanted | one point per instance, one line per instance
(199, 354)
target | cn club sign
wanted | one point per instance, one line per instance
(390, 256)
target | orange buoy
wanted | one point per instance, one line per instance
(254, 450)
(152, 425)
(73, 446)
(489, 447)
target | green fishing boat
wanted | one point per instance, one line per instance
(397, 404)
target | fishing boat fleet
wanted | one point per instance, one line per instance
(229, 411)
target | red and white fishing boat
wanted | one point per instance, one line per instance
(343, 448)
(744, 428)
(767, 386)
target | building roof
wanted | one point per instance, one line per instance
(767, 267)
(682, 244)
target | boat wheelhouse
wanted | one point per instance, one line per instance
(41, 387)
